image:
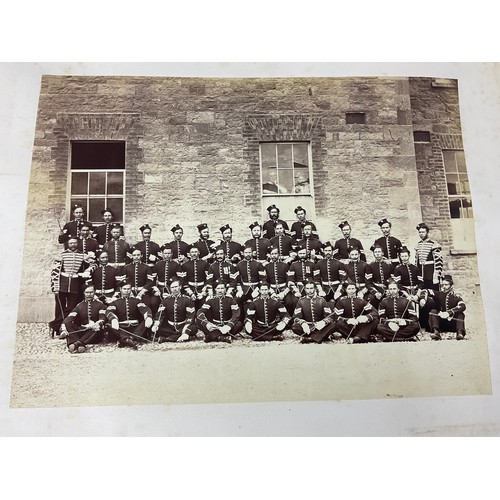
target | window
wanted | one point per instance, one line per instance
(98, 177)
(351, 118)
(460, 201)
(421, 136)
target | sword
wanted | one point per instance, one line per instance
(134, 335)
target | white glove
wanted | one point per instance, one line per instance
(320, 325)
(225, 329)
(152, 258)
(149, 321)
(280, 326)
(114, 324)
(248, 327)
(306, 328)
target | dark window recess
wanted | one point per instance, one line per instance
(98, 155)
(351, 118)
(422, 136)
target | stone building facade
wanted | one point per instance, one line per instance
(197, 150)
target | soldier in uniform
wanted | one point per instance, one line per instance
(86, 244)
(296, 231)
(329, 274)
(300, 272)
(129, 319)
(167, 270)
(232, 249)
(66, 283)
(390, 245)
(428, 259)
(284, 244)
(85, 323)
(105, 280)
(269, 227)
(276, 276)
(313, 317)
(218, 317)
(356, 318)
(260, 246)
(250, 273)
(341, 247)
(103, 232)
(180, 249)
(222, 271)
(118, 250)
(360, 273)
(194, 274)
(140, 276)
(382, 272)
(266, 318)
(448, 315)
(312, 245)
(205, 245)
(397, 316)
(174, 321)
(74, 226)
(149, 249)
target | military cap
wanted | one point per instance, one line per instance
(143, 227)
(422, 225)
(326, 244)
(404, 248)
(254, 224)
(270, 207)
(298, 248)
(351, 248)
(115, 226)
(344, 223)
(203, 226)
(107, 210)
(383, 221)
(175, 228)
(76, 205)
(447, 277)
(348, 282)
(299, 208)
(373, 247)
(224, 228)
(271, 248)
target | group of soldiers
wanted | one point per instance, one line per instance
(280, 278)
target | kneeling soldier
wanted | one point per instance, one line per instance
(449, 313)
(398, 317)
(129, 317)
(357, 319)
(85, 323)
(174, 321)
(266, 318)
(218, 317)
(313, 319)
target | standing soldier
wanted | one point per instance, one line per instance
(298, 226)
(174, 321)
(428, 259)
(284, 244)
(105, 280)
(341, 247)
(72, 228)
(266, 318)
(260, 246)
(250, 273)
(382, 272)
(360, 273)
(397, 316)
(149, 249)
(85, 323)
(313, 317)
(390, 245)
(276, 275)
(222, 271)
(406, 274)
(312, 245)
(167, 270)
(180, 249)
(269, 227)
(129, 319)
(300, 272)
(103, 232)
(86, 244)
(218, 317)
(356, 318)
(448, 316)
(118, 250)
(329, 274)
(66, 282)
(194, 274)
(204, 244)
(232, 249)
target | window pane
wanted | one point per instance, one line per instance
(301, 176)
(95, 207)
(284, 156)
(97, 184)
(449, 161)
(79, 201)
(455, 206)
(115, 183)
(269, 184)
(453, 184)
(300, 155)
(268, 153)
(460, 157)
(79, 183)
(467, 208)
(464, 184)
(285, 181)
(116, 206)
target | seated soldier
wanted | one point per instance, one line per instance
(266, 318)
(329, 274)
(85, 323)
(310, 242)
(382, 272)
(448, 316)
(300, 272)
(276, 275)
(313, 318)
(397, 316)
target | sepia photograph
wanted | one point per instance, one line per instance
(201, 239)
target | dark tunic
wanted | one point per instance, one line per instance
(269, 228)
(341, 248)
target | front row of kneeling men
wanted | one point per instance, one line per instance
(129, 321)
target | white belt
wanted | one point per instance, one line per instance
(130, 322)
(105, 291)
(70, 275)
